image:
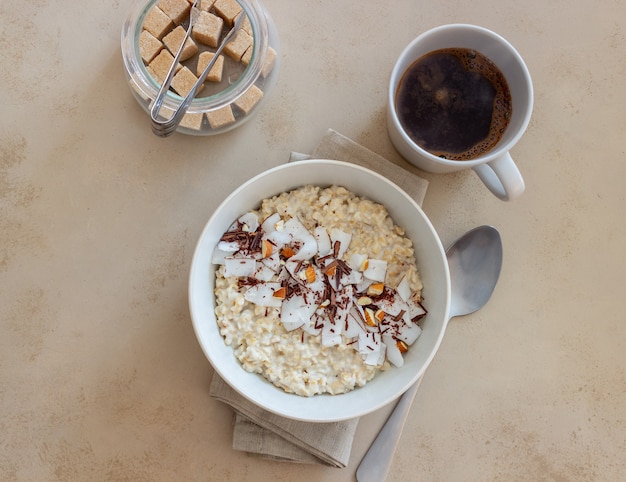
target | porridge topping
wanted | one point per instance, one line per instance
(318, 279)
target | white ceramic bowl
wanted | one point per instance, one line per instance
(432, 264)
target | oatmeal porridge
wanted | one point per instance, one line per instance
(317, 290)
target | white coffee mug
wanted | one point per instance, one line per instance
(495, 167)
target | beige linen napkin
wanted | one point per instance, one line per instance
(264, 434)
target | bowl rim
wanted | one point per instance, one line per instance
(306, 408)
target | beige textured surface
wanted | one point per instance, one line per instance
(101, 377)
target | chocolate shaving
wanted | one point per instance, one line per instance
(247, 241)
(324, 258)
(399, 316)
(361, 318)
(233, 235)
(331, 314)
(256, 241)
(418, 318)
(248, 281)
(343, 266)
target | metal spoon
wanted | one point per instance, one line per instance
(475, 260)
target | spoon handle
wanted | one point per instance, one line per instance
(377, 461)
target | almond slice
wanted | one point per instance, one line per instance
(287, 252)
(375, 289)
(310, 273)
(280, 293)
(331, 270)
(370, 317)
(266, 249)
(379, 315)
(364, 301)
(402, 346)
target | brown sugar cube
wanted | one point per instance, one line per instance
(270, 60)
(184, 81)
(220, 117)
(149, 46)
(173, 40)
(207, 29)
(177, 10)
(157, 22)
(189, 120)
(192, 121)
(238, 45)
(246, 26)
(247, 55)
(160, 66)
(215, 74)
(228, 10)
(205, 5)
(249, 99)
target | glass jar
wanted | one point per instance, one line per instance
(220, 106)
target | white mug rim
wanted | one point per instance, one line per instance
(498, 150)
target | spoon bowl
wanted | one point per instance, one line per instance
(474, 260)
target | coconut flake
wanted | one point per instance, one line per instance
(408, 333)
(239, 267)
(331, 334)
(403, 289)
(370, 347)
(272, 262)
(393, 352)
(219, 256)
(269, 225)
(391, 303)
(354, 277)
(324, 247)
(336, 235)
(262, 294)
(353, 326)
(295, 312)
(229, 246)
(264, 272)
(356, 261)
(300, 233)
(415, 309)
(249, 222)
(376, 270)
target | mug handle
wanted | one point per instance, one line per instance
(502, 177)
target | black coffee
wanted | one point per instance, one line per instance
(455, 103)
